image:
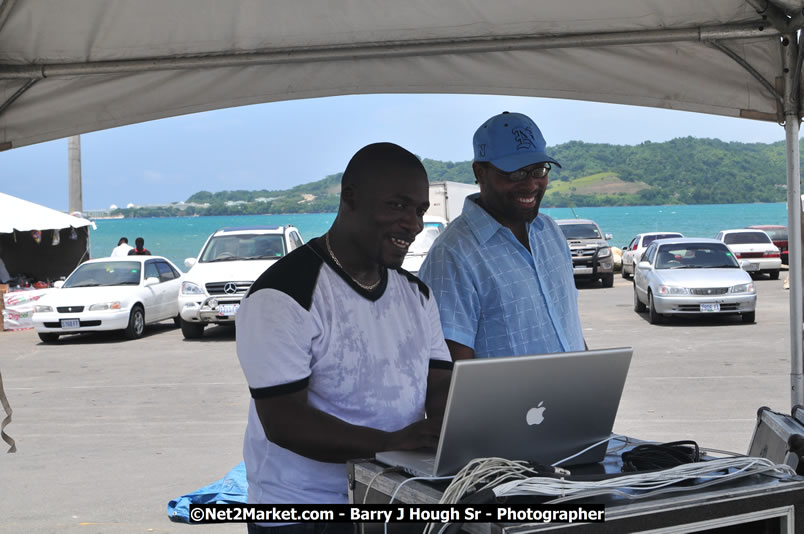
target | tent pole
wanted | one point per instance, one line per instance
(794, 206)
(382, 50)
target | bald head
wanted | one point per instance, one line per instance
(377, 161)
(384, 195)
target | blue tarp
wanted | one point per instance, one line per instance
(231, 489)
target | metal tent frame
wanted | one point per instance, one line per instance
(778, 22)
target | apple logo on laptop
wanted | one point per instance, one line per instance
(535, 415)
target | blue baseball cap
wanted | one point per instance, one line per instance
(510, 141)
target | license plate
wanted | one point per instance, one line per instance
(228, 309)
(70, 323)
(715, 307)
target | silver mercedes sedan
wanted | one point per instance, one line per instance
(693, 276)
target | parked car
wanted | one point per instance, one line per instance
(433, 226)
(755, 246)
(693, 276)
(229, 262)
(591, 253)
(110, 294)
(634, 250)
(778, 235)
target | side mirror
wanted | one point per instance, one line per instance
(58, 283)
(152, 281)
(608, 237)
(189, 262)
(645, 265)
(748, 266)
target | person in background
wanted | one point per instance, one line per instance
(4, 276)
(139, 249)
(501, 272)
(342, 350)
(122, 248)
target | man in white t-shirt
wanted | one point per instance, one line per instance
(122, 248)
(341, 348)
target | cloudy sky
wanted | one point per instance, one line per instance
(282, 144)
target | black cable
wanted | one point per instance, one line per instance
(661, 456)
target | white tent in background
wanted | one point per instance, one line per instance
(22, 216)
(38, 242)
(73, 67)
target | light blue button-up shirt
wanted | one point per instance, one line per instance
(497, 297)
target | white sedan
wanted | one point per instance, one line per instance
(634, 250)
(693, 276)
(110, 294)
(755, 246)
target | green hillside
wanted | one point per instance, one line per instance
(681, 171)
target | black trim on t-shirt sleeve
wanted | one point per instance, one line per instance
(282, 389)
(295, 275)
(441, 364)
(412, 278)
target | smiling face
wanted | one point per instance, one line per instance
(389, 212)
(384, 195)
(510, 203)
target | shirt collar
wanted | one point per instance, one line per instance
(483, 225)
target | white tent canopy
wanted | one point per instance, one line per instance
(76, 66)
(20, 215)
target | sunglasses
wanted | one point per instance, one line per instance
(521, 174)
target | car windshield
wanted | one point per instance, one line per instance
(648, 239)
(741, 238)
(777, 234)
(424, 240)
(107, 273)
(580, 231)
(244, 247)
(696, 256)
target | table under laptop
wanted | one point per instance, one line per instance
(542, 408)
(755, 505)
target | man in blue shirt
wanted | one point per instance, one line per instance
(500, 272)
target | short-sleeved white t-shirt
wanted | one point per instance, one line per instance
(364, 357)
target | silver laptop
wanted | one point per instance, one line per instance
(540, 408)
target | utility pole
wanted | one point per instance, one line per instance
(74, 157)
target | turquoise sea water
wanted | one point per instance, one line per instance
(178, 238)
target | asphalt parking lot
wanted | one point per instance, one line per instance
(108, 431)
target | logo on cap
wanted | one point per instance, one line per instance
(524, 138)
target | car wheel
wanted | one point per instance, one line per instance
(607, 280)
(48, 338)
(749, 317)
(774, 274)
(136, 323)
(192, 330)
(625, 274)
(638, 306)
(653, 316)
(177, 320)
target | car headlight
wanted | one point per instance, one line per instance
(670, 290)
(604, 252)
(42, 309)
(742, 288)
(189, 288)
(114, 305)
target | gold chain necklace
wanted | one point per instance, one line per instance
(332, 255)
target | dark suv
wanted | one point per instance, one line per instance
(591, 254)
(778, 235)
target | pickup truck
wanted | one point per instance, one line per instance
(229, 262)
(591, 253)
